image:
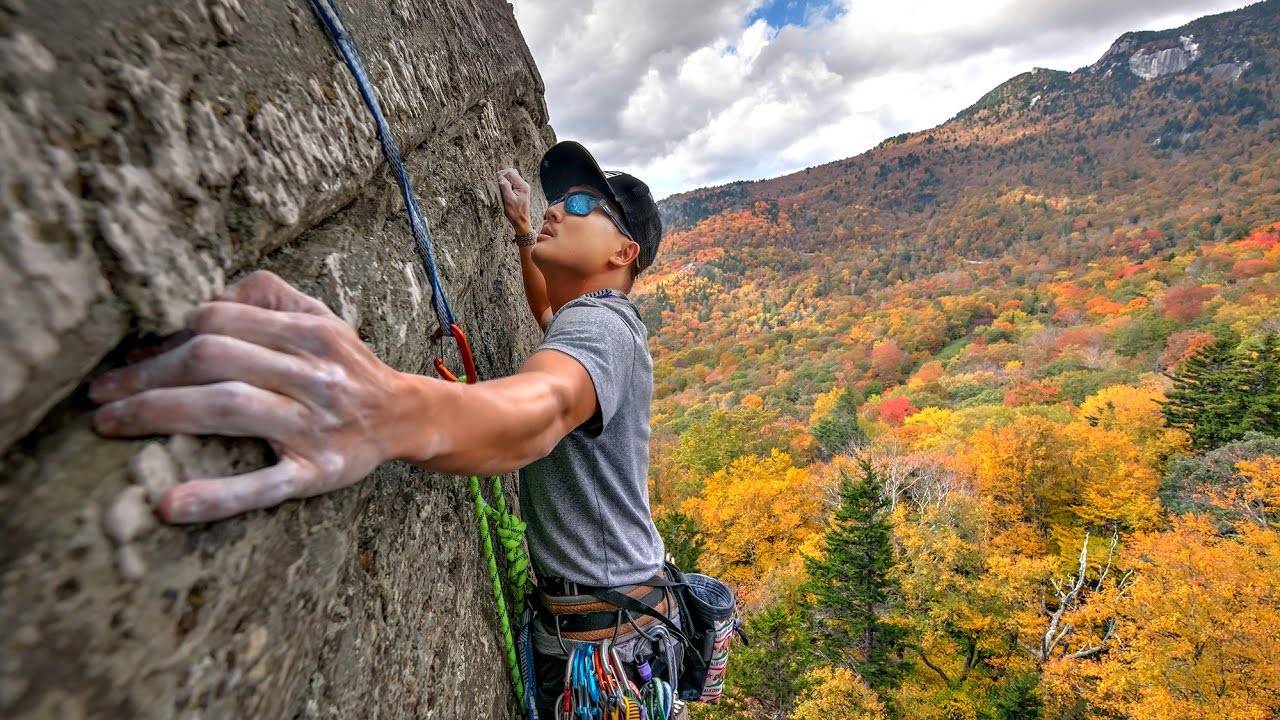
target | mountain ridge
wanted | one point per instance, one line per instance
(1046, 174)
(682, 209)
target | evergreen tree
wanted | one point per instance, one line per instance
(771, 670)
(850, 584)
(1015, 699)
(683, 539)
(1203, 400)
(1260, 380)
(1226, 390)
(839, 431)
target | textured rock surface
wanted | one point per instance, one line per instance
(1151, 65)
(153, 152)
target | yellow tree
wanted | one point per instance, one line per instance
(1117, 483)
(1022, 473)
(1120, 446)
(1197, 635)
(1258, 497)
(756, 516)
(959, 600)
(837, 694)
(1135, 411)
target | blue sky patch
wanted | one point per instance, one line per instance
(778, 13)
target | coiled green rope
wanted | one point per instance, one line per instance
(510, 531)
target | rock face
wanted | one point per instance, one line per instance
(1151, 65)
(152, 152)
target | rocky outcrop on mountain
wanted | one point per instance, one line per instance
(1165, 130)
(1151, 65)
(154, 152)
(1219, 44)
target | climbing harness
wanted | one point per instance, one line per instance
(508, 527)
(331, 18)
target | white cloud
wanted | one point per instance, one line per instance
(686, 94)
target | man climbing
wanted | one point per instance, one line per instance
(266, 360)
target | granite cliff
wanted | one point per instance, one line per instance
(154, 152)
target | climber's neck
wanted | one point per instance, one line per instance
(561, 290)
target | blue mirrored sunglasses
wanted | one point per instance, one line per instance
(582, 203)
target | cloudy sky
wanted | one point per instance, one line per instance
(688, 93)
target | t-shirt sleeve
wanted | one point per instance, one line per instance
(603, 344)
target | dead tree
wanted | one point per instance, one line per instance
(1070, 596)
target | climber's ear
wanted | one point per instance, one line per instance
(268, 290)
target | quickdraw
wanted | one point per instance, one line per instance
(464, 351)
(597, 687)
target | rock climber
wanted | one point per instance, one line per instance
(266, 360)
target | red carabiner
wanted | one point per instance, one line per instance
(464, 350)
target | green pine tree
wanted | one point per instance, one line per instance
(839, 431)
(1204, 399)
(682, 538)
(1226, 390)
(1015, 698)
(851, 586)
(771, 670)
(1260, 379)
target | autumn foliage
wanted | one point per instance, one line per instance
(1007, 316)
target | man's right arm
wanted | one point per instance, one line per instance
(495, 426)
(516, 196)
(535, 287)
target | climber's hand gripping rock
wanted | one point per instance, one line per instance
(516, 203)
(267, 361)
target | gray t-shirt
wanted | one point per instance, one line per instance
(587, 502)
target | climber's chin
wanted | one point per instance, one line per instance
(559, 261)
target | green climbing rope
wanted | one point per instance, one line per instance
(510, 530)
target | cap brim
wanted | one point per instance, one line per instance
(567, 164)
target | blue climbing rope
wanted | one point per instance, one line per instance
(333, 24)
(509, 528)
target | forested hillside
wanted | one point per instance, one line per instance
(985, 422)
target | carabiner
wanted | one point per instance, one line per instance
(464, 350)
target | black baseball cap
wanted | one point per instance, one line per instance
(568, 163)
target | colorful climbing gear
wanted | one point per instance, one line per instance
(596, 686)
(509, 527)
(464, 351)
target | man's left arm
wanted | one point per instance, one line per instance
(269, 361)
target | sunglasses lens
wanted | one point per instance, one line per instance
(579, 204)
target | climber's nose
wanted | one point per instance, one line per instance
(551, 220)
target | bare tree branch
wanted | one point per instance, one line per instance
(1070, 597)
(929, 663)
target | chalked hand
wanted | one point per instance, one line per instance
(263, 360)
